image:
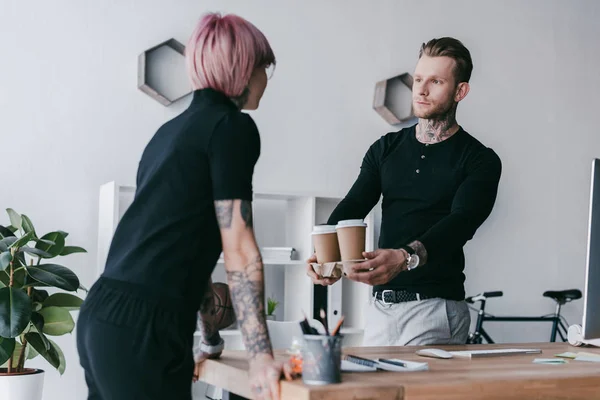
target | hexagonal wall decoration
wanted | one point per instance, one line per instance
(161, 72)
(393, 98)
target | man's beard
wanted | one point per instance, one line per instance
(439, 112)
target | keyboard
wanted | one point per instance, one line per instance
(493, 352)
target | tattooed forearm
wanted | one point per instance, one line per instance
(420, 250)
(206, 315)
(247, 293)
(224, 209)
(246, 211)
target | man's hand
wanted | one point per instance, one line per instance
(199, 357)
(209, 348)
(381, 267)
(317, 279)
(264, 375)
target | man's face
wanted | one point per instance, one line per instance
(434, 88)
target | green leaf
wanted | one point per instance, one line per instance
(5, 232)
(23, 240)
(5, 259)
(38, 326)
(27, 225)
(56, 248)
(8, 241)
(15, 312)
(48, 242)
(39, 295)
(35, 252)
(15, 218)
(57, 321)
(32, 352)
(7, 346)
(62, 363)
(67, 301)
(38, 321)
(63, 234)
(72, 249)
(54, 275)
(37, 342)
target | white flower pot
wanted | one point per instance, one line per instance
(26, 386)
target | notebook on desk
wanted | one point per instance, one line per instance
(351, 363)
(493, 352)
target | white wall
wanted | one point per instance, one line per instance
(71, 118)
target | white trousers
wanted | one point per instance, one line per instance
(421, 322)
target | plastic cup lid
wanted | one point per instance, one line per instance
(349, 223)
(321, 229)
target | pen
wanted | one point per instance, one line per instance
(396, 363)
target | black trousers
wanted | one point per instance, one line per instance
(134, 346)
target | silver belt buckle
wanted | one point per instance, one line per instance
(383, 297)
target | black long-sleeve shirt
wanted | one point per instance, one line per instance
(438, 194)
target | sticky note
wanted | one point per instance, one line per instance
(567, 354)
(550, 361)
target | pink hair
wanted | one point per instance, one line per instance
(223, 51)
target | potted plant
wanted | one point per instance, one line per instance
(28, 313)
(271, 307)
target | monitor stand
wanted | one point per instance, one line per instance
(575, 337)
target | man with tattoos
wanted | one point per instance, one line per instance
(439, 184)
(192, 201)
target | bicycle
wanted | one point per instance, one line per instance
(559, 323)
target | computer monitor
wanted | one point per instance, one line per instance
(591, 297)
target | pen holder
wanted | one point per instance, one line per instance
(322, 359)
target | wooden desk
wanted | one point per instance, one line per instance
(506, 377)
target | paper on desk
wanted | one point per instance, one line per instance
(550, 361)
(592, 357)
(581, 356)
(411, 365)
(348, 366)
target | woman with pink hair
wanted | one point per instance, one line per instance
(193, 201)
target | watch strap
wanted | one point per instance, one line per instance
(208, 349)
(408, 249)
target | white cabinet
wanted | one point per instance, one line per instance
(280, 220)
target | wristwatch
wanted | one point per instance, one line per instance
(208, 349)
(412, 261)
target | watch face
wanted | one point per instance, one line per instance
(413, 261)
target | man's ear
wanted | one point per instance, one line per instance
(461, 91)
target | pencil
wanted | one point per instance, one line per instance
(336, 330)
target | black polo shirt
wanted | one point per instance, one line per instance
(168, 240)
(438, 194)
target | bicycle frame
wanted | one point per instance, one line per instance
(557, 324)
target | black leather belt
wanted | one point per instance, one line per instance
(398, 296)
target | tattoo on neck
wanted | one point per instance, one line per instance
(247, 293)
(437, 129)
(420, 250)
(224, 209)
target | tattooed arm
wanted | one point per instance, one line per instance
(210, 333)
(245, 277)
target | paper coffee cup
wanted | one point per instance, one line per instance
(325, 241)
(351, 235)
